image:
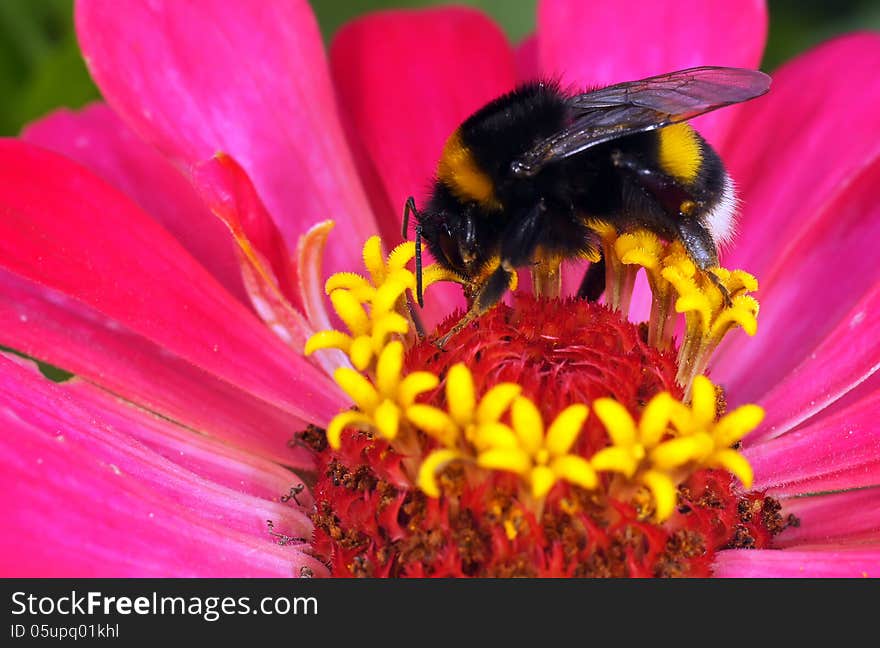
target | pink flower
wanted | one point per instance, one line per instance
(168, 451)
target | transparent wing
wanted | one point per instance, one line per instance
(637, 106)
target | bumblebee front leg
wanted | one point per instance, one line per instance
(410, 208)
(487, 296)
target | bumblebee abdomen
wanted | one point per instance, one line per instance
(680, 152)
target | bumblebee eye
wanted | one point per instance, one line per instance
(451, 250)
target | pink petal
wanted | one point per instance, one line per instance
(816, 563)
(65, 228)
(589, 44)
(227, 191)
(247, 78)
(791, 157)
(96, 138)
(851, 517)
(268, 271)
(83, 498)
(526, 53)
(809, 288)
(847, 357)
(809, 458)
(56, 329)
(310, 262)
(405, 98)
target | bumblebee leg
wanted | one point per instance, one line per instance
(416, 318)
(593, 283)
(547, 278)
(681, 207)
(487, 297)
(700, 247)
(725, 293)
(419, 288)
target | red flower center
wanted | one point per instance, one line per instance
(370, 521)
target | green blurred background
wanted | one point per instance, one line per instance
(40, 66)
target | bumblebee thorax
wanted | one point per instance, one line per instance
(462, 174)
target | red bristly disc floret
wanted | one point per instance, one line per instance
(370, 521)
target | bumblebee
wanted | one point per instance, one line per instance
(524, 181)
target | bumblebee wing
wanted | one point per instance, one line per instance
(637, 106)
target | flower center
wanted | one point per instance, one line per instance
(559, 353)
(548, 438)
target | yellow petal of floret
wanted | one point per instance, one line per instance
(512, 459)
(734, 425)
(495, 435)
(664, 491)
(387, 295)
(350, 311)
(388, 368)
(342, 421)
(387, 419)
(328, 340)
(615, 459)
(565, 429)
(352, 282)
(414, 385)
(400, 256)
(496, 401)
(575, 470)
(434, 422)
(460, 396)
(542, 480)
(528, 424)
(734, 462)
(434, 464)
(683, 450)
(698, 303)
(435, 272)
(616, 419)
(373, 260)
(743, 313)
(655, 419)
(703, 401)
(361, 352)
(358, 388)
(742, 281)
(385, 325)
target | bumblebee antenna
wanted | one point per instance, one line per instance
(409, 207)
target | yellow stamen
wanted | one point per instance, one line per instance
(342, 421)
(673, 440)
(434, 464)
(565, 429)
(527, 424)
(388, 368)
(435, 422)
(350, 311)
(328, 340)
(496, 401)
(460, 394)
(358, 388)
(513, 459)
(373, 260)
(414, 385)
(353, 282)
